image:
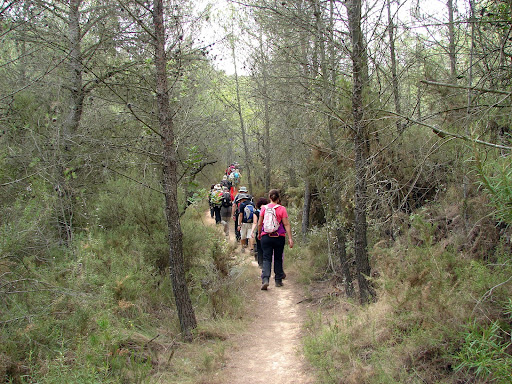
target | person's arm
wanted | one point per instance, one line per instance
(240, 217)
(260, 225)
(288, 229)
(255, 223)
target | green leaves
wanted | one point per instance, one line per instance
(495, 176)
(70, 174)
(485, 351)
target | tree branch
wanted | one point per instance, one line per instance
(442, 134)
(132, 179)
(485, 90)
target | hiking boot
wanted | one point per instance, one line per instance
(264, 284)
(279, 283)
(284, 275)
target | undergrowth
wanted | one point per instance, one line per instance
(102, 310)
(443, 314)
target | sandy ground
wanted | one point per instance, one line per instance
(270, 350)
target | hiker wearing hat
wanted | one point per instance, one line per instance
(216, 200)
(235, 210)
(246, 221)
(210, 204)
(225, 210)
(225, 182)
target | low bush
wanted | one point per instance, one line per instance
(101, 310)
(428, 292)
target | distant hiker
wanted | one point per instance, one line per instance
(273, 225)
(236, 177)
(259, 251)
(210, 200)
(235, 211)
(225, 182)
(246, 221)
(225, 210)
(216, 198)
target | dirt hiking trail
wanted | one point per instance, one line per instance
(270, 349)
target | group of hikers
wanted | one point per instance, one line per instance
(260, 227)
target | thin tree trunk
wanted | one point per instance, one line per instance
(360, 151)
(451, 43)
(418, 92)
(266, 136)
(247, 153)
(306, 207)
(396, 93)
(465, 179)
(75, 62)
(170, 182)
(70, 126)
(341, 250)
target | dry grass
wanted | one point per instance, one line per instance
(430, 286)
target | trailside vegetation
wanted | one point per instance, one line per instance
(386, 126)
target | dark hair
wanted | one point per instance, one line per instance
(262, 201)
(274, 195)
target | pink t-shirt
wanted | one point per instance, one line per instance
(280, 213)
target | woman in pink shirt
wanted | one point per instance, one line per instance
(273, 243)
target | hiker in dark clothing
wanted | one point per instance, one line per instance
(225, 210)
(226, 183)
(212, 213)
(246, 221)
(235, 212)
(259, 251)
(216, 198)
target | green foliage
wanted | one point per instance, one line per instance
(427, 294)
(328, 348)
(496, 177)
(102, 310)
(319, 257)
(485, 351)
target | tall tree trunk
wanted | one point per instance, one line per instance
(75, 61)
(170, 182)
(421, 63)
(247, 153)
(394, 75)
(307, 70)
(328, 64)
(451, 43)
(341, 251)
(266, 137)
(360, 151)
(465, 180)
(70, 126)
(306, 207)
